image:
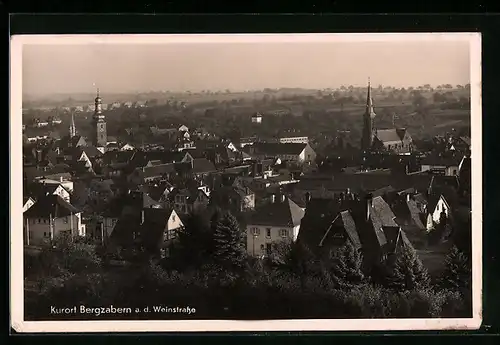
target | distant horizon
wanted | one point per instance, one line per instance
(243, 63)
(231, 91)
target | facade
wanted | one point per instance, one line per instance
(395, 140)
(277, 221)
(50, 217)
(299, 140)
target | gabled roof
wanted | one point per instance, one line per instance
(111, 157)
(51, 205)
(278, 148)
(40, 190)
(279, 213)
(158, 170)
(203, 165)
(91, 151)
(390, 135)
(155, 223)
(344, 220)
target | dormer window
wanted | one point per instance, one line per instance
(338, 235)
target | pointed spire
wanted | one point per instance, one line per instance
(369, 100)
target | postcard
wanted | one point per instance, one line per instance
(264, 182)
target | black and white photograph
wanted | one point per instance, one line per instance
(246, 182)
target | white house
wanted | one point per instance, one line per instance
(277, 221)
(435, 208)
(27, 203)
(183, 128)
(68, 186)
(257, 118)
(50, 217)
(299, 140)
(127, 147)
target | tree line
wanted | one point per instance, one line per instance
(208, 268)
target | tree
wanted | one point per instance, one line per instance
(229, 242)
(346, 266)
(408, 273)
(194, 246)
(457, 274)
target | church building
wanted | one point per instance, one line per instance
(394, 140)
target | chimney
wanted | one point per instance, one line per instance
(368, 205)
(61, 179)
(273, 198)
(142, 217)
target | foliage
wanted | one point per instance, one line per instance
(407, 273)
(195, 242)
(229, 242)
(457, 274)
(346, 266)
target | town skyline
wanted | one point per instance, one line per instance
(178, 67)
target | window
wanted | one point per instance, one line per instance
(283, 232)
(66, 220)
(262, 247)
(173, 218)
(39, 220)
(256, 231)
(268, 232)
(165, 236)
(44, 234)
(44, 221)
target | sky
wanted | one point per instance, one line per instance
(136, 67)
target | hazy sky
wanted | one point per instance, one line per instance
(239, 66)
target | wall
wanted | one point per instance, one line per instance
(39, 228)
(436, 214)
(28, 204)
(255, 243)
(308, 154)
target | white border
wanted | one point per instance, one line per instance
(16, 237)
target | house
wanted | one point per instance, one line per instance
(153, 229)
(127, 147)
(247, 141)
(45, 187)
(277, 221)
(49, 217)
(396, 140)
(188, 200)
(236, 197)
(300, 153)
(257, 118)
(369, 224)
(442, 164)
(411, 217)
(439, 206)
(27, 203)
(289, 140)
(184, 129)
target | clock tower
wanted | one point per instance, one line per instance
(100, 137)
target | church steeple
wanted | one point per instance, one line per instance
(368, 121)
(99, 123)
(72, 127)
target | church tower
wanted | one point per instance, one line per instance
(72, 127)
(100, 137)
(368, 122)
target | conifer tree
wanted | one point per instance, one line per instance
(229, 242)
(408, 273)
(457, 274)
(346, 266)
